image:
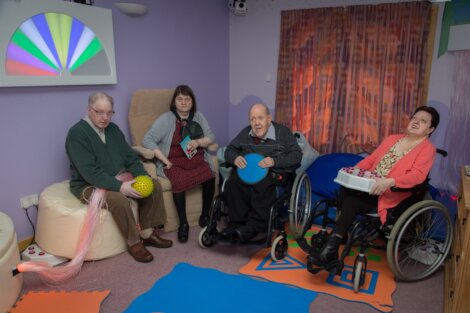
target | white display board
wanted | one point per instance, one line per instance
(54, 42)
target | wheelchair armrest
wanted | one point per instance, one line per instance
(276, 171)
(144, 152)
(421, 187)
(282, 171)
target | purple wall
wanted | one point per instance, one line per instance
(176, 42)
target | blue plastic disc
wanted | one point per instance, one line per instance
(252, 173)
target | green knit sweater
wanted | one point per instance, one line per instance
(94, 163)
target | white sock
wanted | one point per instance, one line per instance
(145, 233)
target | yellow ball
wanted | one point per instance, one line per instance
(144, 185)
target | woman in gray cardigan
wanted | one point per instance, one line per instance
(179, 139)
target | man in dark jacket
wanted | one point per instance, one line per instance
(249, 204)
(98, 152)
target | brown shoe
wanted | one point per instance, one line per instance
(156, 241)
(140, 253)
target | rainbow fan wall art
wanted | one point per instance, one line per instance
(55, 44)
(46, 43)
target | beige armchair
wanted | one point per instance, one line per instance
(146, 106)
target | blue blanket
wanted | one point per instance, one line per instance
(188, 288)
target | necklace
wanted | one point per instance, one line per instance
(404, 145)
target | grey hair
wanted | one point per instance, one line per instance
(260, 104)
(98, 96)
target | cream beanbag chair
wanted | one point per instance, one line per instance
(10, 286)
(60, 219)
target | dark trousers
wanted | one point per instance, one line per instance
(251, 204)
(351, 204)
(151, 211)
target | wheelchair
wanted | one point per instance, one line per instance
(292, 203)
(417, 236)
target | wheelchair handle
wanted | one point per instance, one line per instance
(442, 152)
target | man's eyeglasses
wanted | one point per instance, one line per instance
(103, 114)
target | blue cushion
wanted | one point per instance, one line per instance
(324, 169)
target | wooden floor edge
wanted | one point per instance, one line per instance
(23, 244)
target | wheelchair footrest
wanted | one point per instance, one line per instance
(334, 267)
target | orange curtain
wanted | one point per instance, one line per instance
(349, 76)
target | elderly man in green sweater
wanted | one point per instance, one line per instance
(98, 152)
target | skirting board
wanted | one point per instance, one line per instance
(23, 244)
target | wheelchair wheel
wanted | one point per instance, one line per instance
(279, 248)
(217, 208)
(205, 238)
(359, 272)
(419, 240)
(300, 204)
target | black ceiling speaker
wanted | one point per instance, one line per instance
(238, 7)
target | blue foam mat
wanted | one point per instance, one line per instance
(189, 288)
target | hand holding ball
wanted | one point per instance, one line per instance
(144, 185)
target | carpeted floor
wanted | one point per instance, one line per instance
(128, 279)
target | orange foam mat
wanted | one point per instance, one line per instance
(60, 302)
(292, 270)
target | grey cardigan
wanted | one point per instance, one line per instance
(161, 133)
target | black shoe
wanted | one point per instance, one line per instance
(203, 220)
(328, 253)
(245, 233)
(183, 233)
(229, 230)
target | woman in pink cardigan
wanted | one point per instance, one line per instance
(403, 161)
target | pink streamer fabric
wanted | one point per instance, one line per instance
(60, 274)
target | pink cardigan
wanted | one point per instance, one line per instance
(410, 170)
